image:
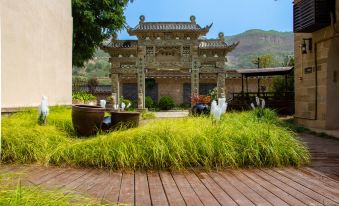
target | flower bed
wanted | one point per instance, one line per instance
(238, 140)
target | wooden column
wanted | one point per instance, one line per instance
(195, 78)
(141, 83)
(221, 84)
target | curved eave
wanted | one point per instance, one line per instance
(226, 47)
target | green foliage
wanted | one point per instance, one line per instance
(83, 97)
(238, 140)
(13, 193)
(126, 102)
(279, 83)
(264, 61)
(93, 23)
(213, 93)
(147, 115)
(92, 84)
(166, 103)
(148, 102)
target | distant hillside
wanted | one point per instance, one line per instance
(257, 42)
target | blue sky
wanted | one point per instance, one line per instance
(229, 16)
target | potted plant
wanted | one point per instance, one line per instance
(200, 104)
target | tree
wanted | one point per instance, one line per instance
(92, 83)
(93, 22)
(264, 61)
(278, 84)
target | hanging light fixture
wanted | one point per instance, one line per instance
(306, 46)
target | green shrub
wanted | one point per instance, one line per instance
(166, 103)
(147, 115)
(83, 97)
(148, 102)
(126, 102)
(237, 140)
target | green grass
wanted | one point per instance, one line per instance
(238, 140)
(13, 193)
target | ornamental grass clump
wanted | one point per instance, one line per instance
(237, 140)
(12, 192)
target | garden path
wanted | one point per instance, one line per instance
(325, 154)
(264, 186)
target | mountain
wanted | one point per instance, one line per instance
(255, 42)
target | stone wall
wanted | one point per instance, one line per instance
(36, 52)
(316, 78)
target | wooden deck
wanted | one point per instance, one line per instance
(325, 154)
(314, 185)
(274, 186)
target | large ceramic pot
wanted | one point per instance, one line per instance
(200, 108)
(125, 119)
(87, 119)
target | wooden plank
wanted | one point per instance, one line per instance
(185, 189)
(272, 188)
(126, 195)
(244, 189)
(158, 196)
(98, 189)
(222, 197)
(203, 193)
(310, 183)
(53, 174)
(290, 190)
(68, 178)
(172, 192)
(142, 194)
(76, 183)
(327, 180)
(310, 193)
(112, 193)
(239, 198)
(38, 174)
(85, 185)
(259, 189)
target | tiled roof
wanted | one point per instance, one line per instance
(168, 26)
(121, 44)
(215, 44)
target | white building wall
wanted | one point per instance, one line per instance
(36, 52)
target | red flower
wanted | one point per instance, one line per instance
(196, 99)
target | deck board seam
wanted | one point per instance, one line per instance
(252, 189)
(299, 190)
(222, 188)
(269, 189)
(162, 184)
(207, 187)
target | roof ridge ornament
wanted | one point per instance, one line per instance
(142, 19)
(192, 18)
(221, 36)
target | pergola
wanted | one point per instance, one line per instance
(263, 72)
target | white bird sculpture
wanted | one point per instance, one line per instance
(43, 110)
(218, 109)
(123, 105)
